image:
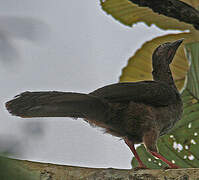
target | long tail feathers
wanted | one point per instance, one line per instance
(58, 104)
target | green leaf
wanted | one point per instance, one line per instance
(192, 51)
(12, 169)
(182, 143)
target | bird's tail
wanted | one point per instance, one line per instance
(58, 104)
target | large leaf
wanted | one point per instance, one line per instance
(181, 144)
(139, 66)
(129, 14)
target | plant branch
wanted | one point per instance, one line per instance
(22, 170)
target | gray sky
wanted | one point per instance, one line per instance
(66, 46)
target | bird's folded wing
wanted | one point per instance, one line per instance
(148, 92)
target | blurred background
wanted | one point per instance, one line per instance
(63, 46)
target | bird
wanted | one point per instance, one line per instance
(136, 112)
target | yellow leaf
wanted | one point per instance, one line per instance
(129, 14)
(194, 3)
(139, 66)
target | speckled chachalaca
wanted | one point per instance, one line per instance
(138, 112)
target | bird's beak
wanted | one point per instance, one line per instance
(173, 46)
(176, 44)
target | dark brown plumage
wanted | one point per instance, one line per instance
(138, 112)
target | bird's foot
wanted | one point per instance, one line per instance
(140, 168)
(172, 166)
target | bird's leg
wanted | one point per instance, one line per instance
(131, 146)
(150, 139)
(171, 165)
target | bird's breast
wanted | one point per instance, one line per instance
(168, 116)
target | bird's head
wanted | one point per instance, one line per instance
(164, 54)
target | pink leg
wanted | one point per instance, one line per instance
(171, 165)
(131, 146)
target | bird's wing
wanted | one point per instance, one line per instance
(148, 92)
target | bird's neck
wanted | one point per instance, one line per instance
(163, 75)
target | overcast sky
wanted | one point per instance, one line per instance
(66, 46)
